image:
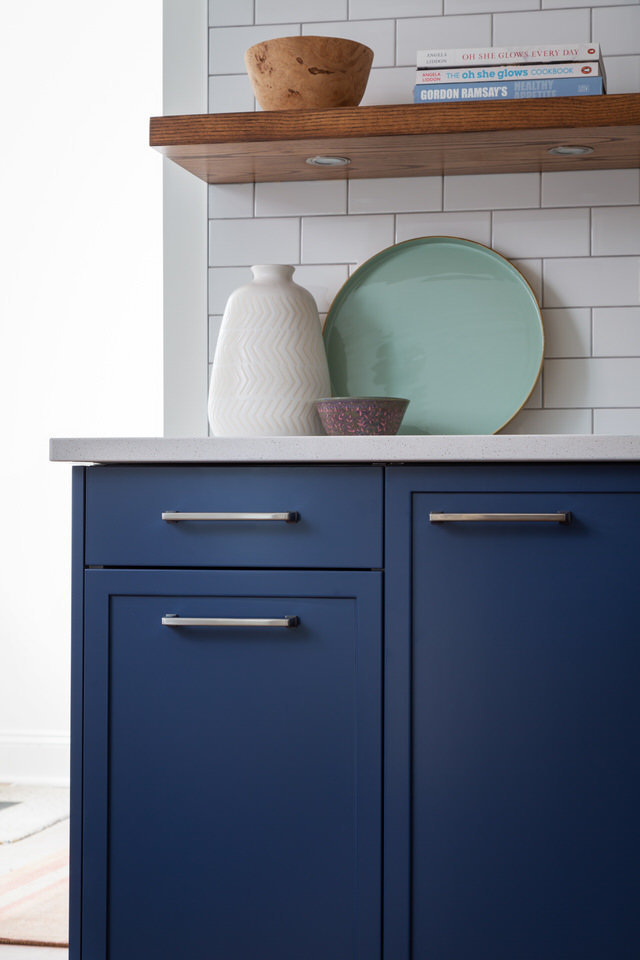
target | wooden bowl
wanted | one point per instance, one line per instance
(308, 72)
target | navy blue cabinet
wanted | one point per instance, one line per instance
(227, 776)
(227, 722)
(518, 654)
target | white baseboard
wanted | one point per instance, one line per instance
(34, 756)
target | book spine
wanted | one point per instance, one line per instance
(479, 56)
(509, 90)
(536, 71)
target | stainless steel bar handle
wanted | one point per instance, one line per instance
(176, 516)
(172, 620)
(561, 517)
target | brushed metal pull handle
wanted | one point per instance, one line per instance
(176, 516)
(173, 620)
(561, 517)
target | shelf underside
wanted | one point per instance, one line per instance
(406, 140)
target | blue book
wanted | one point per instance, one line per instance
(507, 90)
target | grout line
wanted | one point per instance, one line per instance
(245, 266)
(601, 356)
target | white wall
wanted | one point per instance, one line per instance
(576, 236)
(81, 316)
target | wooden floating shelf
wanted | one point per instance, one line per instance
(405, 140)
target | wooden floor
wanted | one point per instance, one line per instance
(12, 952)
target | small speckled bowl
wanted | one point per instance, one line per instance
(357, 416)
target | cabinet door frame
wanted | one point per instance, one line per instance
(100, 585)
(402, 482)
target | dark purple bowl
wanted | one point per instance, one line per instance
(357, 416)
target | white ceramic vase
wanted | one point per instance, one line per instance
(270, 363)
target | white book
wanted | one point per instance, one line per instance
(522, 53)
(510, 71)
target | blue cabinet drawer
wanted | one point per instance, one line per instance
(143, 516)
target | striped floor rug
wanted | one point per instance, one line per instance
(34, 902)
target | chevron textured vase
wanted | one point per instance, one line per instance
(270, 364)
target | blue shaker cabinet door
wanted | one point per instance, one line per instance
(232, 772)
(526, 729)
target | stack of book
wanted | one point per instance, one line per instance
(508, 73)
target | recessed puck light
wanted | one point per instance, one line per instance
(328, 161)
(568, 150)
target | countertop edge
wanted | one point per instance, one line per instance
(366, 449)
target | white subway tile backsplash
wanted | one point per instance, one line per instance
(615, 230)
(591, 303)
(395, 195)
(322, 281)
(214, 332)
(231, 94)
(616, 331)
(554, 4)
(227, 45)
(230, 200)
(429, 33)
(550, 421)
(567, 332)
(531, 270)
(237, 242)
(488, 191)
(593, 382)
(301, 197)
(363, 9)
(222, 282)
(470, 226)
(282, 11)
(621, 423)
(489, 6)
(349, 239)
(390, 85)
(623, 74)
(377, 34)
(550, 27)
(230, 13)
(590, 188)
(592, 281)
(617, 29)
(541, 233)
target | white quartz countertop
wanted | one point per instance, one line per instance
(399, 449)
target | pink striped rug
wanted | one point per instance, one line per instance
(34, 902)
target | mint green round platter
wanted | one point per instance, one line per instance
(446, 322)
